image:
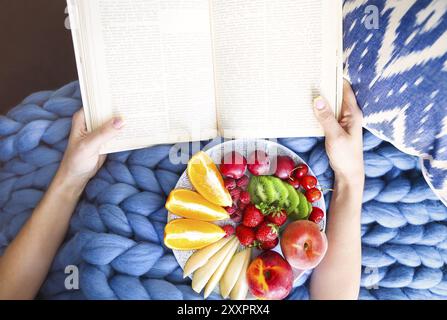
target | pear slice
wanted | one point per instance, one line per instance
(205, 272)
(240, 289)
(215, 278)
(232, 273)
(201, 257)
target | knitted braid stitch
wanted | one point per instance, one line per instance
(116, 233)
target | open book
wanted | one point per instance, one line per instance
(187, 70)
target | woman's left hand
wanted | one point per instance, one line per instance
(82, 158)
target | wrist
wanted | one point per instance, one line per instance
(354, 180)
(68, 185)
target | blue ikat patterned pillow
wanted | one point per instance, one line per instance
(396, 60)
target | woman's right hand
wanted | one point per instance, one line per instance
(344, 139)
(338, 275)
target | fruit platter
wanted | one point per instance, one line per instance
(246, 220)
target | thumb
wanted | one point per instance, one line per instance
(78, 126)
(326, 118)
(96, 139)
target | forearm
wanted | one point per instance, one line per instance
(338, 275)
(28, 258)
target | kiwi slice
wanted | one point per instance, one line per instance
(293, 199)
(260, 193)
(282, 192)
(265, 190)
(252, 189)
(303, 207)
(300, 211)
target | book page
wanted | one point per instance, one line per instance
(272, 58)
(151, 64)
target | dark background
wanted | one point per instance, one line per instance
(36, 50)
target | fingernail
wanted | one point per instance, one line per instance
(319, 103)
(117, 123)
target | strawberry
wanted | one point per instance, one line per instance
(278, 217)
(244, 197)
(245, 235)
(242, 182)
(242, 206)
(252, 216)
(235, 194)
(229, 230)
(229, 183)
(267, 232)
(231, 210)
(268, 245)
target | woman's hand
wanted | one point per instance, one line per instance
(26, 262)
(82, 158)
(344, 137)
(338, 275)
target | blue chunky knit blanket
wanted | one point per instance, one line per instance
(116, 233)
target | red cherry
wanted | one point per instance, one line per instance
(294, 182)
(316, 215)
(313, 195)
(233, 165)
(259, 163)
(309, 182)
(284, 167)
(301, 170)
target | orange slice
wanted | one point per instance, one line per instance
(207, 180)
(190, 204)
(187, 234)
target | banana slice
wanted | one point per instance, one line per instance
(215, 278)
(201, 257)
(240, 289)
(205, 272)
(232, 273)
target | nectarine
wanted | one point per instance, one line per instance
(270, 276)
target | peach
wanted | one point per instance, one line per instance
(270, 276)
(303, 244)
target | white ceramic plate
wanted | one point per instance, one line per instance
(244, 147)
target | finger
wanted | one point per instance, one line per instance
(350, 109)
(326, 118)
(102, 159)
(78, 123)
(99, 137)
